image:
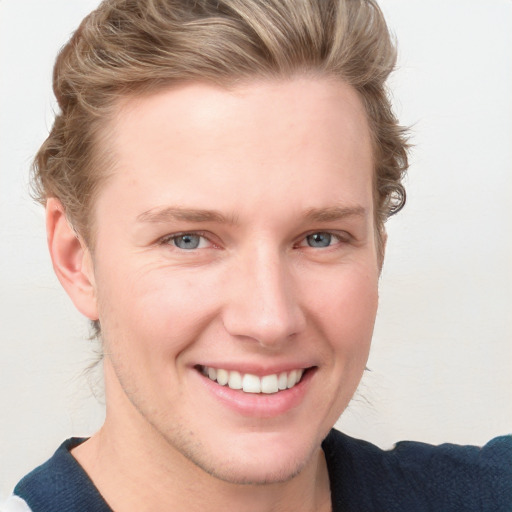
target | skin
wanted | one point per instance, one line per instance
(276, 161)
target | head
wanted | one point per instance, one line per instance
(255, 69)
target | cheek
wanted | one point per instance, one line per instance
(345, 307)
(154, 309)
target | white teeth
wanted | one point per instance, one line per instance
(250, 383)
(235, 380)
(269, 384)
(282, 382)
(292, 379)
(222, 377)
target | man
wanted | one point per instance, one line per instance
(216, 187)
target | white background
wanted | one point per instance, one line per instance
(442, 356)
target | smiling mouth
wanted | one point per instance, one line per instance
(249, 383)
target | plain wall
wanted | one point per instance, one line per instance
(441, 363)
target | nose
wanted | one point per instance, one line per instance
(262, 300)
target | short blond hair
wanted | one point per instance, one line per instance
(138, 46)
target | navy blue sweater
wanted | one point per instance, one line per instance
(413, 477)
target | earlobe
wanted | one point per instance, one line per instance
(71, 260)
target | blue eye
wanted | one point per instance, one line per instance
(320, 239)
(187, 241)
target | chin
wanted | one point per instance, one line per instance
(256, 472)
(256, 460)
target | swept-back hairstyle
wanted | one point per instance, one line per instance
(129, 47)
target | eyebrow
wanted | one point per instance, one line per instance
(334, 213)
(173, 213)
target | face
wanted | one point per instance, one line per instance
(235, 248)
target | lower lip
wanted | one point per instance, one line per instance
(259, 405)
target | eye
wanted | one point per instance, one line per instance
(320, 239)
(187, 241)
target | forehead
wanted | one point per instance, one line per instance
(211, 113)
(261, 138)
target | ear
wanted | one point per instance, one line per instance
(71, 260)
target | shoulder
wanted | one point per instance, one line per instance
(418, 476)
(60, 484)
